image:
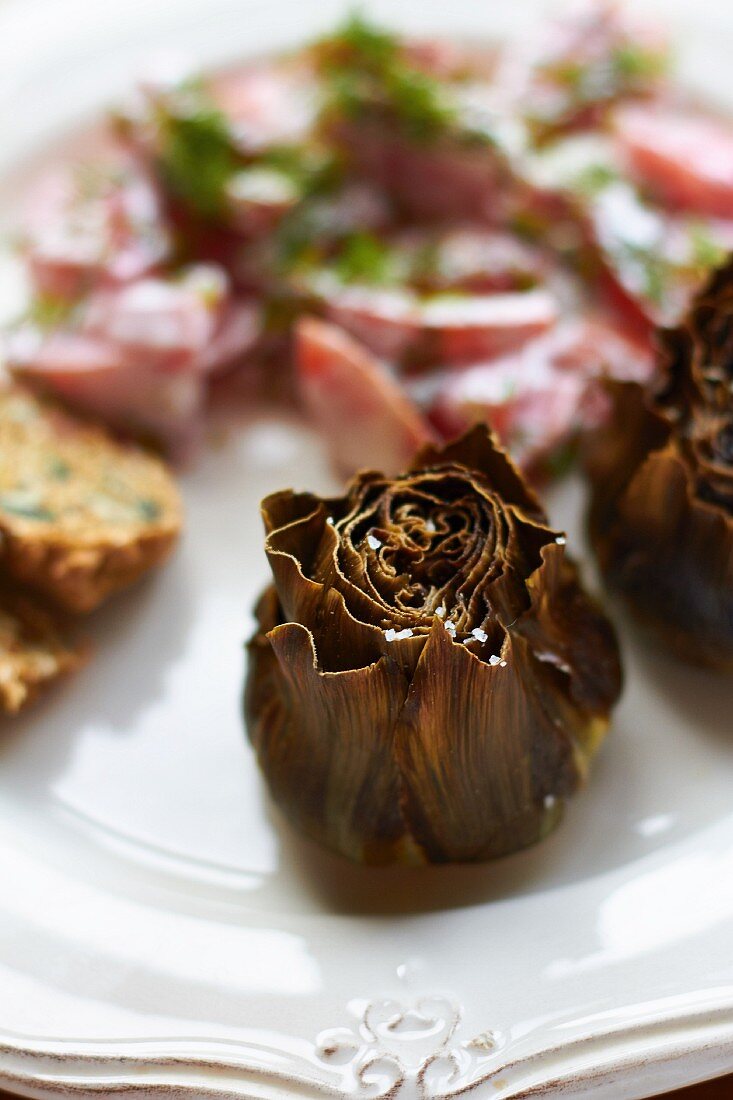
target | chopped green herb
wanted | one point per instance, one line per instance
(706, 252)
(366, 259)
(594, 178)
(653, 270)
(634, 65)
(295, 238)
(197, 157)
(366, 71)
(149, 510)
(26, 505)
(625, 68)
(570, 74)
(419, 105)
(59, 470)
(47, 312)
(358, 39)
(312, 171)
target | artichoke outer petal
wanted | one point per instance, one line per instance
(466, 742)
(324, 741)
(671, 556)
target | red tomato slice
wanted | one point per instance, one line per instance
(443, 329)
(354, 402)
(94, 376)
(537, 398)
(685, 160)
(140, 355)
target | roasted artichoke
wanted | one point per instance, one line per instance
(429, 679)
(661, 470)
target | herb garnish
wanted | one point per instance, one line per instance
(366, 259)
(47, 312)
(366, 71)
(634, 66)
(706, 252)
(149, 510)
(197, 156)
(594, 178)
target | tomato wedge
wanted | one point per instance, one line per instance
(354, 402)
(684, 159)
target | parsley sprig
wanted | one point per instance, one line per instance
(197, 155)
(367, 71)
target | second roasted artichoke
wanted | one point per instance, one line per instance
(429, 680)
(662, 477)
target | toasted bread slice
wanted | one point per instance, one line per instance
(33, 651)
(81, 515)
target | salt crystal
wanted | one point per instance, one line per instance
(430, 526)
(549, 801)
(479, 634)
(329, 520)
(392, 635)
(451, 628)
(560, 540)
(440, 612)
(494, 660)
(373, 542)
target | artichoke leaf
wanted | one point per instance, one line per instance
(661, 470)
(332, 770)
(477, 451)
(465, 743)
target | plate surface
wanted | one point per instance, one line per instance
(161, 930)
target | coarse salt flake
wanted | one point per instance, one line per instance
(451, 628)
(392, 635)
(374, 542)
(479, 634)
(440, 612)
(329, 520)
(430, 526)
(560, 540)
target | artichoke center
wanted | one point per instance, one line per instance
(424, 544)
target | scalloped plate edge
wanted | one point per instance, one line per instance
(616, 1063)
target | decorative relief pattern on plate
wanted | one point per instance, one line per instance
(395, 1044)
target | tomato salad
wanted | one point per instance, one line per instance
(408, 235)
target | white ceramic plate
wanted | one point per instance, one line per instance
(163, 933)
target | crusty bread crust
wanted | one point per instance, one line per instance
(79, 578)
(33, 651)
(81, 515)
